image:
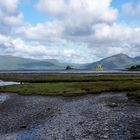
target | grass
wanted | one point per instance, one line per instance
(73, 86)
(29, 78)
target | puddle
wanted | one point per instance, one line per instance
(7, 83)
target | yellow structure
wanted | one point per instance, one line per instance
(100, 67)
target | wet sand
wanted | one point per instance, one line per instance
(109, 116)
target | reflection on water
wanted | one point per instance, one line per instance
(69, 71)
(6, 83)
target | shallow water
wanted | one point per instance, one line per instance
(108, 116)
(6, 83)
(71, 71)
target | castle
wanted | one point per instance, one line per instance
(99, 67)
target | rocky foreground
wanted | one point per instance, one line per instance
(109, 116)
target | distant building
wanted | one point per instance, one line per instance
(99, 67)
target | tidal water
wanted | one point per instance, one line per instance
(6, 83)
(71, 71)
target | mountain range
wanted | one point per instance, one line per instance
(119, 61)
(8, 62)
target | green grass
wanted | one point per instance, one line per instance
(81, 79)
(74, 86)
(71, 88)
(53, 79)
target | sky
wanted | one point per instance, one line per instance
(74, 31)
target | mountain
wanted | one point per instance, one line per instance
(119, 61)
(137, 59)
(13, 63)
(64, 65)
(8, 62)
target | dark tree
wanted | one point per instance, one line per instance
(133, 67)
(68, 68)
(138, 66)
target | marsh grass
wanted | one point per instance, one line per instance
(74, 88)
(42, 78)
(72, 85)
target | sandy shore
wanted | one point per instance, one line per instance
(108, 116)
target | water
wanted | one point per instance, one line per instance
(71, 71)
(7, 83)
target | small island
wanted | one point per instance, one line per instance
(70, 68)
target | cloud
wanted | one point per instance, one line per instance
(43, 32)
(116, 33)
(132, 8)
(77, 16)
(85, 36)
(9, 16)
(60, 50)
(79, 31)
(96, 23)
(70, 21)
(8, 5)
(77, 10)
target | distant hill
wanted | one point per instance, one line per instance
(15, 63)
(8, 62)
(63, 65)
(137, 59)
(119, 61)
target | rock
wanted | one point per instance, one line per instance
(49, 108)
(137, 137)
(112, 105)
(23, 127)
(104, 137)
(105, 129)
(67, 130)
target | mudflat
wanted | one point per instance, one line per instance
(110, 116)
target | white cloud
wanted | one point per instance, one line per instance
(132, 8)
(9, 5)
(78, 15)
(81, 31)
(116, 33)
(10, 17)
(3, 39)
(87, 21)
(41, 32)
(94, 26)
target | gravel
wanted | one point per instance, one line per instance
(108, 116)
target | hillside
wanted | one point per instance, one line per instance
(137, 59)
(8, 62)
(119, 61)
(13, 63)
